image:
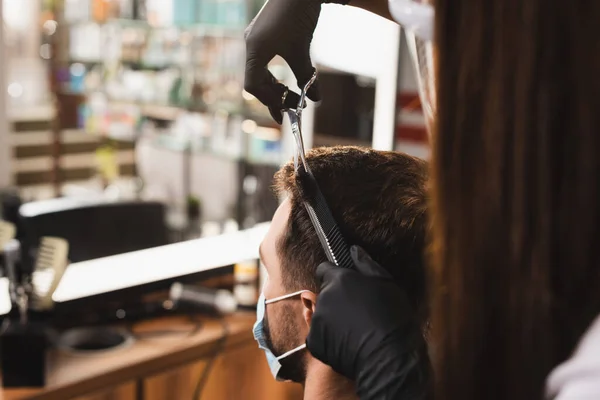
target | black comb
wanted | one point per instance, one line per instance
(327, 229)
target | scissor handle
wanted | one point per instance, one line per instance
(296, 121)
(310, 82)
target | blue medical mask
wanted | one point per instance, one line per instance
(259, 333)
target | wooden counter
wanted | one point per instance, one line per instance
(167, 366)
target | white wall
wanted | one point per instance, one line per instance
(5, 149)
(351, 40)
(24, 68)
(22, 16)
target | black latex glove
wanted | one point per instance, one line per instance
(284, 28)
(364, 328)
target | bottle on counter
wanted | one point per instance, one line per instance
(245, 287)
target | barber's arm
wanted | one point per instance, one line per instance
(285, 28)
(364, 328)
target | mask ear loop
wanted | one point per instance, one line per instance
(292, 351)
(286, 296)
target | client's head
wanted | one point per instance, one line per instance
(378, 200)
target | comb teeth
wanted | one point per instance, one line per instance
(329, 252)
(330, 236)
(49, 269)
(337, 242)
(7, 233)
(328, 232)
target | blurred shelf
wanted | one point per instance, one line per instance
(45, 137)
(199, 29)
(86, 61)
(42, 112)
(113, 137)
(165, 112)
(134, 65)
(161, 111)
(178, 145)
(170, 112)
(69, 92)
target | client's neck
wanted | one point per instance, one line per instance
(323, 383)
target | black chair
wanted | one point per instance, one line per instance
(95, 230)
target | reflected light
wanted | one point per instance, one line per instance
(50, 27)
(45, 51)
(249, 126)
(77, 69)
(15, 89)
(247, 96)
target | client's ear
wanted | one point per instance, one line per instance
(309, 302)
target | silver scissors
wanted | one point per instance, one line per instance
(328, 232)
(296, 120)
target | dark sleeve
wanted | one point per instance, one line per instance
(395, 374)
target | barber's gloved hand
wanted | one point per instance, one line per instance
(284, 28)
(365, 329)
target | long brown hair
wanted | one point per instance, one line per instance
(516, 196)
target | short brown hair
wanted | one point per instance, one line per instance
(378, 200)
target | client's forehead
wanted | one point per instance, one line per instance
(269, 254)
